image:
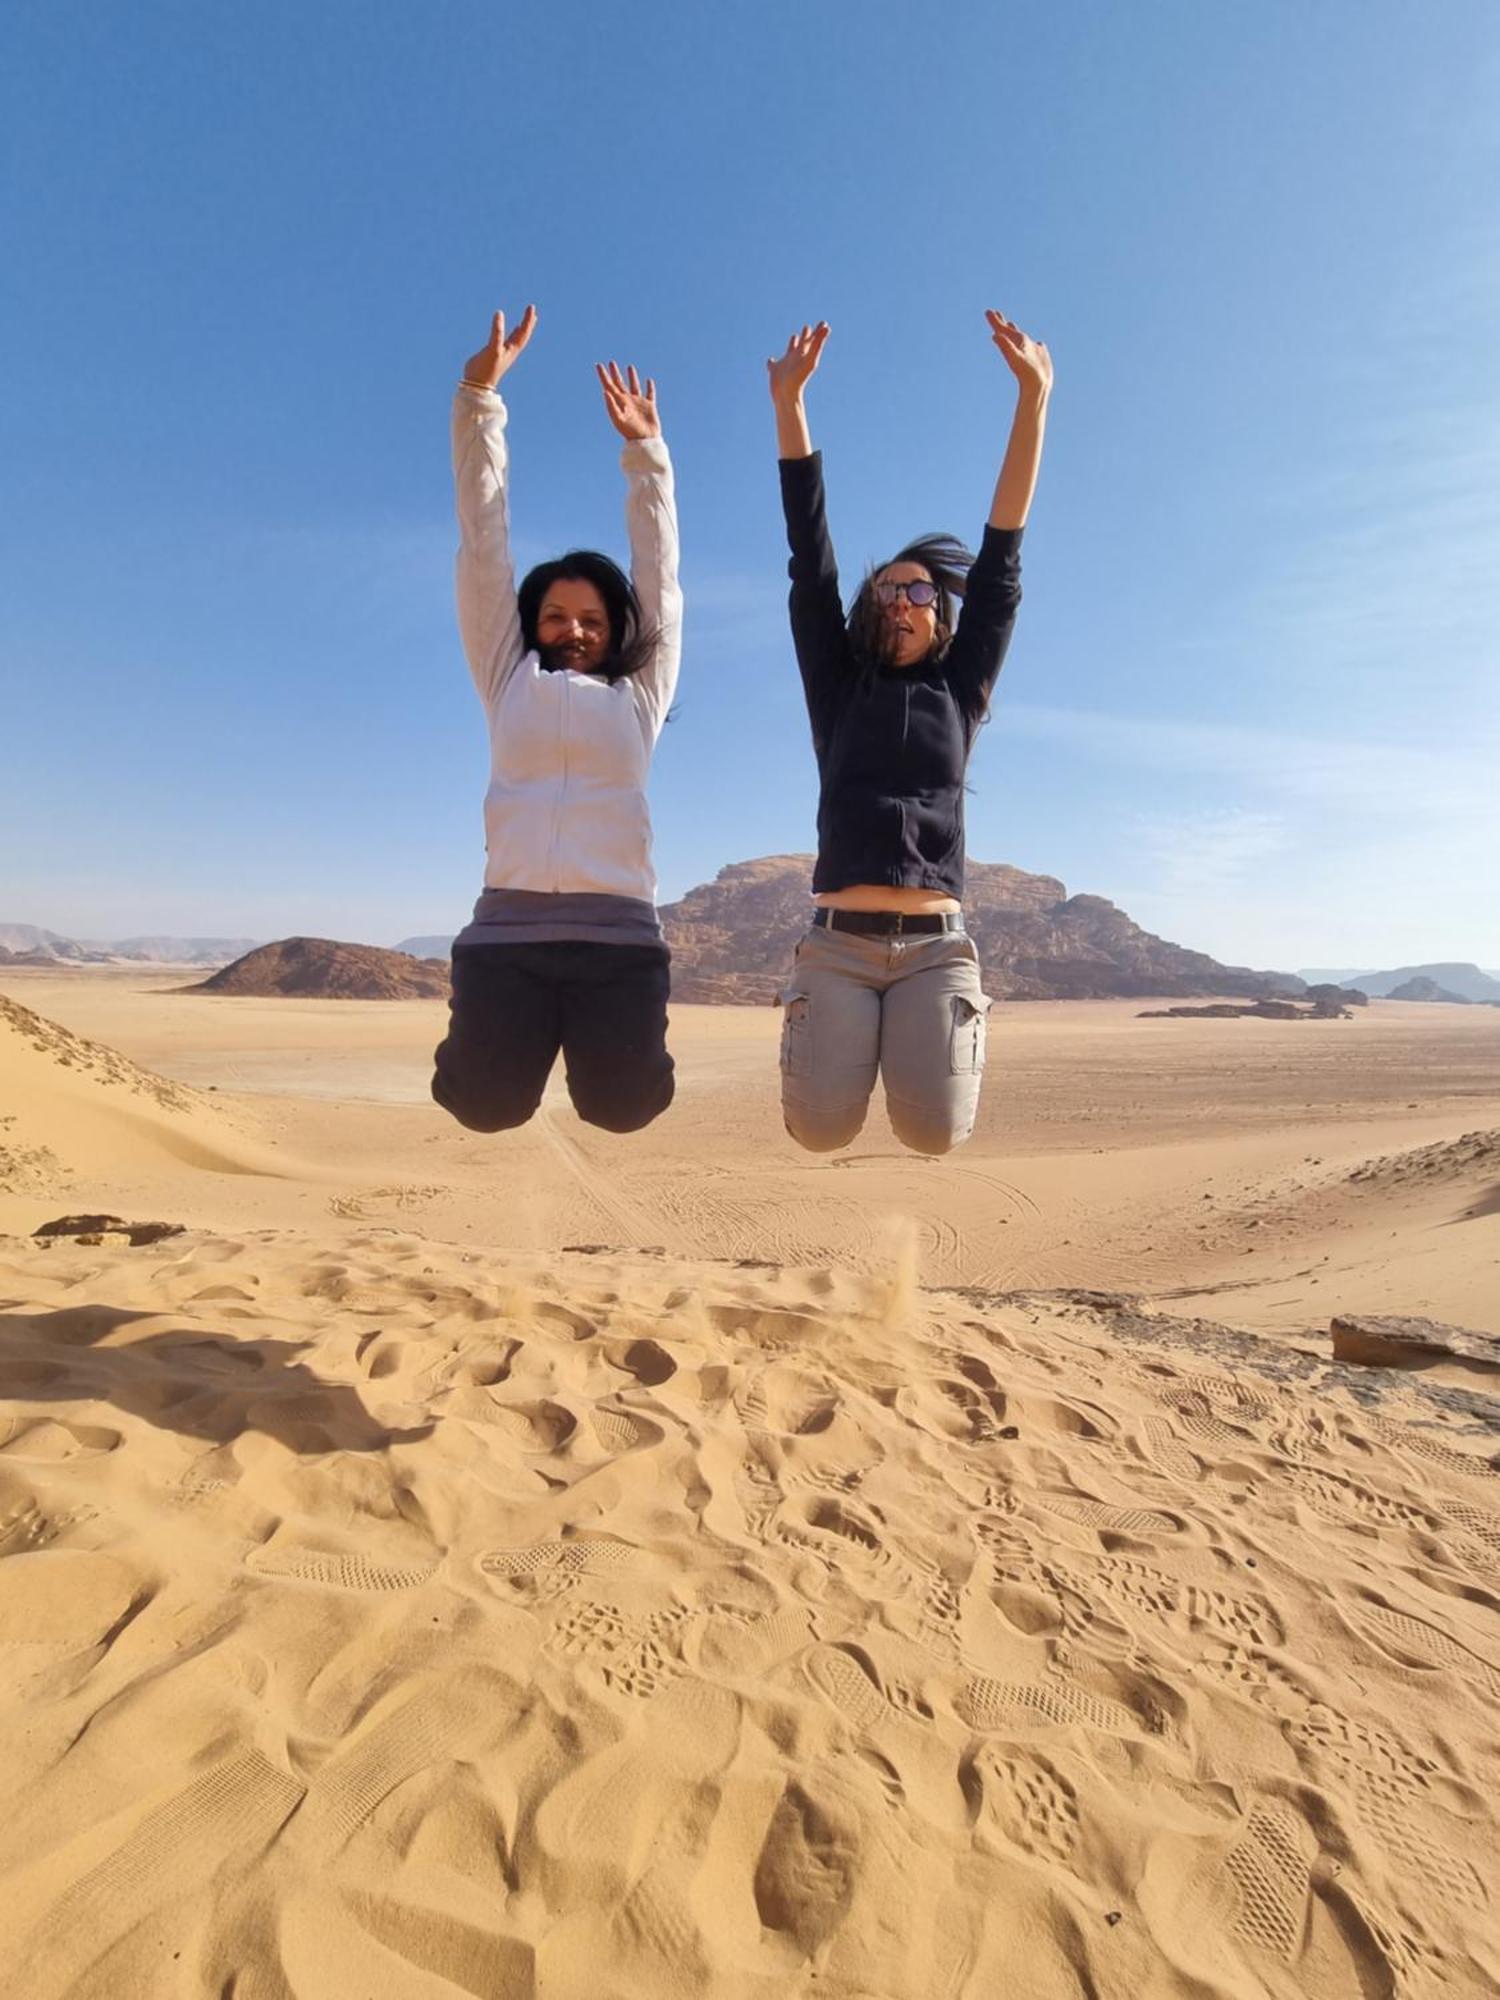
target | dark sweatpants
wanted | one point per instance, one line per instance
(515, 1005)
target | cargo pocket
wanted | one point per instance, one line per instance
(966, 1044)
(796, 1035)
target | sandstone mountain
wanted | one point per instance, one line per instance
(322, 969)
(732, 940)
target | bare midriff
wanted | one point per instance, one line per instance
(887, 896)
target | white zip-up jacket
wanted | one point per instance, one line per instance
(569, 753)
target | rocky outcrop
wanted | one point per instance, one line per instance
(1379, 1341)
(1423, 988)
(1335, 1000)
(732, 940)
(322, 969)
(1257, 1010)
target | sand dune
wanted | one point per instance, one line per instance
(382, 1619)
(78, 1109)
(473, 1568)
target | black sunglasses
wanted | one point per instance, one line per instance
(921, 592)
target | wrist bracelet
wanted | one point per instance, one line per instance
(484, 388)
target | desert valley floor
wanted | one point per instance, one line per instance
(567, 1565)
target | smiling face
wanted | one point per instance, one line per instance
(909, 631)
(572, 626)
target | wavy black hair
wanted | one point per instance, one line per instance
(630, 641)
(947, 562)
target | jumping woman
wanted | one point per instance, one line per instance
(886, 980)
(576, 671)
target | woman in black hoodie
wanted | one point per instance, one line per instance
(886, 980)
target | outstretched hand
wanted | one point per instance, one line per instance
(485, 368)
(1027, 359)
(791, 373)
(631, 409)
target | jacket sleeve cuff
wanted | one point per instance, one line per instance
(801, 475)
(645, 455)
(484, 402)
(1002, 545)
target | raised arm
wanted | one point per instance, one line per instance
(817, 614)
(994, 587)
(488, 621)
(1031, 364)
(651, 524)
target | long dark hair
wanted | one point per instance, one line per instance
(630, 641)
(947, 562)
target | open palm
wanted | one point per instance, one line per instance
(790, 373)
(632, 409)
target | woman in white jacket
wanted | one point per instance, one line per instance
(576, 670)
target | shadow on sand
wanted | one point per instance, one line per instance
(209, 1386)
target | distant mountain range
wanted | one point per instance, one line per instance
(1468, 982)
(25, 944)
(437, 946)
(732, 940)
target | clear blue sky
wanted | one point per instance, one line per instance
(1253, 694)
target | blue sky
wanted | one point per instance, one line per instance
(1253, 695)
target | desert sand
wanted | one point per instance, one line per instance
(565, 1565)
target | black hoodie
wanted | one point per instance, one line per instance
(892, 743)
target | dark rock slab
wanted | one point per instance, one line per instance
(1386, 1341)
(94, 1229)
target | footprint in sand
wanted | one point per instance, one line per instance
(635, 1656)
(1268, 1868)
(620, 1431)
(646, 1360)
(1168, 1454)
(587, 1555)
(62, 1599)
(1153, 1594)
(338, 1569)
(24, 1522)
(51, 1441)
(991, 1704)
(1413, 1641)
(730, 1647)
(542, 1426)
(1022, 1797)
(767, 1328)
(809, 1864)
(1116, 1520)
(234, 1808)
(450, 1716)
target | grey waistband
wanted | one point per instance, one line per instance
(530, 916)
